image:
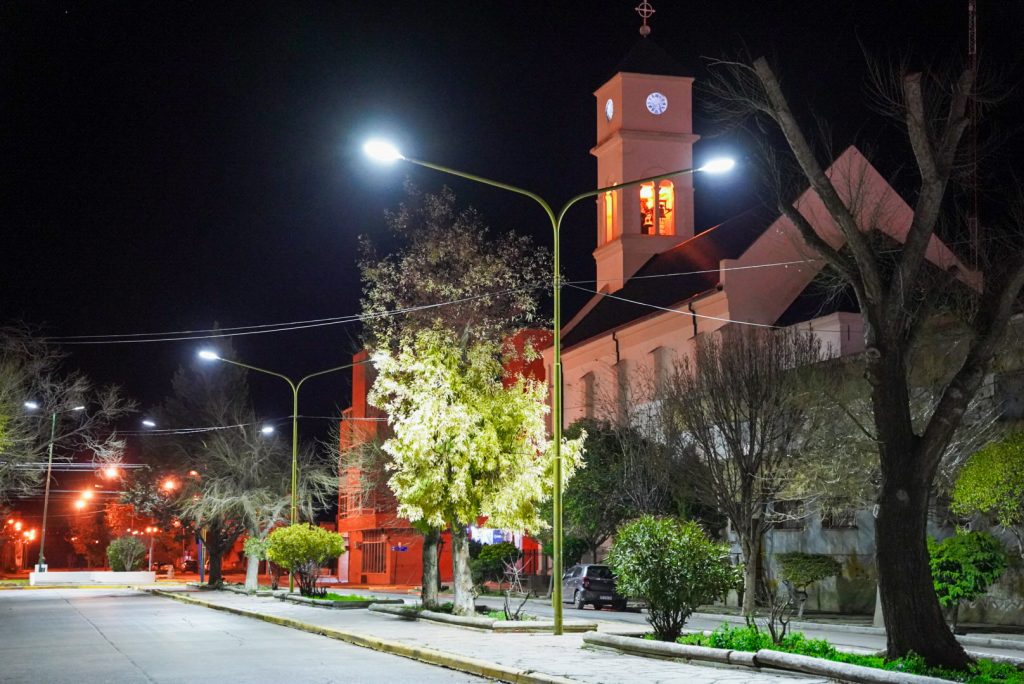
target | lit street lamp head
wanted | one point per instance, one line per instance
(208, 355)
(718, 165)
(149, 423)
(267, 429)
(382, 151)
(31, 405)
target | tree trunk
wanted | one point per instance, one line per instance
(431, 579)
(910, 609)
(463, 576)
(252, 573)
(751, 553)
(216, 558)
(913, 618)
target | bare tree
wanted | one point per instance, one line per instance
(739, 405)
(896, 297)
(42, 406)
(233, 479)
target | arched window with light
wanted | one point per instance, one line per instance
(657, 216)
(609, 216)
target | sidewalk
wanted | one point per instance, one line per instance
(507, 657)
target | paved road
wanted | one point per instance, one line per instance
(98, 635)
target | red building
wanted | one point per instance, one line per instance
(382, 548)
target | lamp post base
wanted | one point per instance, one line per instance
(41, 567)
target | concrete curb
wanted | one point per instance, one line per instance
(965, 639)
(763, 658)
(427, 655)
(486, 624)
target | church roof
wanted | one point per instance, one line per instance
(822, 296)
(647, 57)
(672, 277)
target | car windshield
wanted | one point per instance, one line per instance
(600, 572)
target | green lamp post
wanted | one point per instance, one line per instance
(209, 355)
(386, 152)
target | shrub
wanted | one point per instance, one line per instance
(964, 566)
(992, 482)
(801, 570)
(302, 549)
(673, 566)
(489, 565)
(751, 640)
(125, 554)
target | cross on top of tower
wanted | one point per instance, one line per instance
(645, 10)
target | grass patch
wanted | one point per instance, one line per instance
(14, 583)
(346, 597)
(747, 639)
(500, 615)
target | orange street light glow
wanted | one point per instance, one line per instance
(80, 504)
(169, 484)
(110, 472)
(87, 494)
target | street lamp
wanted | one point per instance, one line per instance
(31, 405)
(209, 355)
(386, 152)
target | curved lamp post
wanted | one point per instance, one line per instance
(386, 152)
(209, 355)
(31, 405)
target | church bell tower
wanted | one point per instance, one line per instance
(644, 128)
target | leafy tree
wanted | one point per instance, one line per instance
(898, 292)
(89, 537)
(449, 274)
(801, 570)
(233, 480)
(489, 565)
(126, 553)
(964, 566)
(594, 502)
(992, 483)
(302, 549)
(464, 444)
(739, 407)
(673, 566)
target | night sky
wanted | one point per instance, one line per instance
(170, 165)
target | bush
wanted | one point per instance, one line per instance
(302, 549)
(801, 570)
(673, 566)
(489, 565)
(964, 566)
(751, 640)
(992, 482)
(126, 553)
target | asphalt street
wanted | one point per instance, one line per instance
(98, 635)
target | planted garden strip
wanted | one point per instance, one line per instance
(483, 623)
(343, 605)
(763, 658)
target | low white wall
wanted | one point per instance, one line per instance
(36, 579)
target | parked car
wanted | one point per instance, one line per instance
(593, 584)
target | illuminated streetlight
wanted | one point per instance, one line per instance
(87, 494)
(80, 504)
(111, 472)
(32, 405)
(149, 423)
(267, 429)
(169, 484)
(383, 151)
(209, 355)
